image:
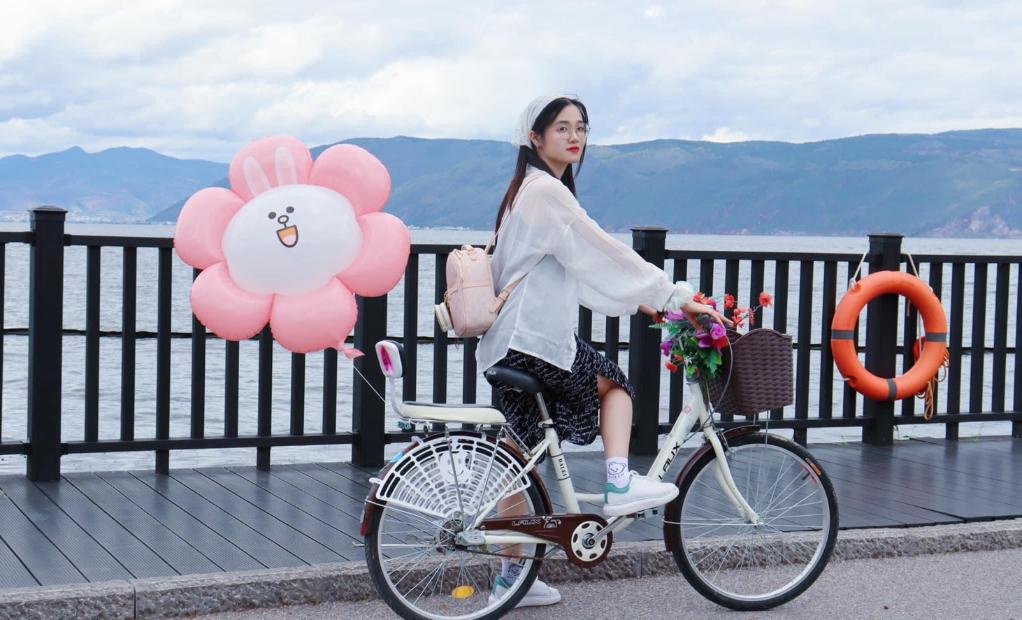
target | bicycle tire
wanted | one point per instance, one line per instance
(450, 564)
(753, 563)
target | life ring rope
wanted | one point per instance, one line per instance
(929, 393)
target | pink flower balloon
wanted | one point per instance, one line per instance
(291, 244)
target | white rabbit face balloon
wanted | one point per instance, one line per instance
(291, 244)
(291, 240)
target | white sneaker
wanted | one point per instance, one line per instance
(640, 494)
(539, 594)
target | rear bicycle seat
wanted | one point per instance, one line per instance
(390, 354)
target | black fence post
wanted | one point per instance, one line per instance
(881, 339)
(45, 323)
(644, 352)
(368, 410)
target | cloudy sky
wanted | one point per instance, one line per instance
(194, 78)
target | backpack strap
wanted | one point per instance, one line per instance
(498, 303)
(493, 239)
(504, 294)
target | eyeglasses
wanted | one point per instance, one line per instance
(564, 131)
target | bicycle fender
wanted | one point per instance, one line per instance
(673, 509)
(372, 504)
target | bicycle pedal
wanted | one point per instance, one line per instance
(652, 512)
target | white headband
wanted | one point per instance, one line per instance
(528, 119)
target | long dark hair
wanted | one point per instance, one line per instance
(527, 155)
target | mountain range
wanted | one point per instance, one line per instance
(959, 183)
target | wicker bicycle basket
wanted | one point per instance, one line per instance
(760, 377)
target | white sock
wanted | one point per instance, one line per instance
(510, 570)
(617, 471)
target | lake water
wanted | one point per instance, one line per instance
(15, 314)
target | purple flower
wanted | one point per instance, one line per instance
(717, 331)
(704, 339)
(676, 316)
(666, 346)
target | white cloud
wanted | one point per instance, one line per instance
(725, 134)
(32, 136)
(193, 79)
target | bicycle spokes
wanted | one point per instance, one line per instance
(756, 564)
(424, 556)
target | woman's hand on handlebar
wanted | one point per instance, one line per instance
(694, 310)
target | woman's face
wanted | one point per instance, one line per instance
(563, 140)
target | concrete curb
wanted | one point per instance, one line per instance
(191, 595)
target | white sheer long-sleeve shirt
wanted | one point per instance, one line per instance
(567, 259)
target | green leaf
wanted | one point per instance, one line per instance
(713, 362)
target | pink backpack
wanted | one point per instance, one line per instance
(470, 306)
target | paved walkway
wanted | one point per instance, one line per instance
(959, 585)
(92, 527)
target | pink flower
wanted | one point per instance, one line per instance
(676, 316)
(291, 243)
(765, 299)
(666, 346)
(717, 331)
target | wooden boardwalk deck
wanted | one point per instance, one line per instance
(120, 525)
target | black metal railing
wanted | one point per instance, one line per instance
(889, 339)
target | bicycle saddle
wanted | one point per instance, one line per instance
(517, 380)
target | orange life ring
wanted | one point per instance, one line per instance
(842, 335)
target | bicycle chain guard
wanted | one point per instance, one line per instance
(575, 533)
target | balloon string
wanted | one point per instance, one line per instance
(380, 396)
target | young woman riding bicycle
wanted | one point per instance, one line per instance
(565, 259)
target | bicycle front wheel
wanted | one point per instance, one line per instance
(420, 566)
(747, 566)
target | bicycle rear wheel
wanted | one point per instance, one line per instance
(753, 567)
(434, 493)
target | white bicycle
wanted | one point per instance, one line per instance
(753, 525)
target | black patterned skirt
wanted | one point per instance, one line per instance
(575, 404)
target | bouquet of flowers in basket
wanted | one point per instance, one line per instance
(698, 344)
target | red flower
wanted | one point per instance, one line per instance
(699, 298)
(729, 301)
(671, 367)
(765, 299)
